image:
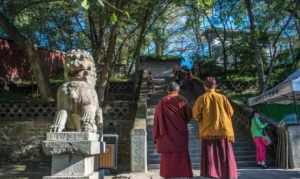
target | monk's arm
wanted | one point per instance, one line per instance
(228, 107)
(155, 129)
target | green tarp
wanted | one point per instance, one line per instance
(277, 111)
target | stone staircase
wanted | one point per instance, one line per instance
(244, 147)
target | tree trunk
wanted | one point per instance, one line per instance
(141, 37)
(159, 48)
(273, 54)
(225, 60)
(254, 47)
(209, 48)
(297, 24)
(32, 55)
(107, 69)
(225, 57)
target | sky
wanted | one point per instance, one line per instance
(184, 44)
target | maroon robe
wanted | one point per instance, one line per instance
(217, 159)
(170, 134)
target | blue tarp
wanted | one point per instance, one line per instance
(186, 64)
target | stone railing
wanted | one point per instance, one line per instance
(118, 110)
(282, 153)
(121, 91)
(139, 134)
(139, 141)
(119, 68)
(26, 110)
(121, 87)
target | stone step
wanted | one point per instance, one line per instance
(240, 164)
(241, 147)
(156, 157)
(152, 151)
(194, 143)
(150, 116)
(191, 149)
(245, 152)
(245, 156)
(156, 166)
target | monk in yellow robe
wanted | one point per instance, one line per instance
(214, 112)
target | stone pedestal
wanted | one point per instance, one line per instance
(139, 141)
(294, 146)
(75, 155)
(138, 150)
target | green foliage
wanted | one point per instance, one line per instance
(114, 18)
(100, 2)
(205, 4)
(85, 4)
(118, 78)
(87, 24)
(161, 58)
(127, 14)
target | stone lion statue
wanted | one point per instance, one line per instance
(77, 100)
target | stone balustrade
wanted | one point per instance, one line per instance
(26, 110)
(139, 141)
(23, 111)
(139, 134)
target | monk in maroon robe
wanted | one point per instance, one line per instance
(170, 134)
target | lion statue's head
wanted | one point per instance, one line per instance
(79, 65)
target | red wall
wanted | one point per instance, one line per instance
(13, 64)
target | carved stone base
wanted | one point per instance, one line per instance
(74, 155)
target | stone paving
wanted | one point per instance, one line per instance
(22, 172)
(253, 173)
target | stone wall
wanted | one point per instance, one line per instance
(119, 120)
(159, 68)
(23, 125)
(20, 140)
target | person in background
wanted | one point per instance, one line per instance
(213, 112)
(149, 80)
(176, 72)
(170, 134)
(257, 128)
(189, 81)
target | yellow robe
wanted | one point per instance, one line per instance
(214, 112)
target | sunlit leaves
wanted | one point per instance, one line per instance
(24, 19)
(85, 4)
(127, 14)
(205, 3)
(114, 18)
(100, 2)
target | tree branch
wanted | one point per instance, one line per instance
(82, 29)
(273, 57)
(34, 3)
(11, 30)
